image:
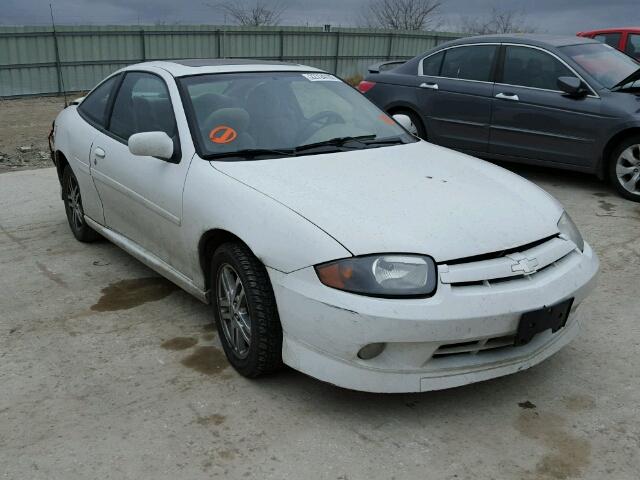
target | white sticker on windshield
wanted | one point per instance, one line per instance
(320, 77)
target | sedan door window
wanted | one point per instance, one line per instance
(469, 63)
(142, 105)
(94, 107)
(530, 67)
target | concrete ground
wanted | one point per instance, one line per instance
(107, 371)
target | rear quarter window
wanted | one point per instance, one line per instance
(94, 107)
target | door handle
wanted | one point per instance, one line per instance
(431, 86)
(100, 153)
(508, 96)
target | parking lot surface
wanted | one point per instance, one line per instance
(108, 371)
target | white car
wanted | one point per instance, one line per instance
(324, 235)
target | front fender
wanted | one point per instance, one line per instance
(281, 238)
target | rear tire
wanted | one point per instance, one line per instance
(245, 311)
(73, 207)
(624, 168)
(416, 121)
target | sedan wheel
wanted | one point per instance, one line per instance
(245, 311)
(233, 310)
(73, 207)
(628, 169)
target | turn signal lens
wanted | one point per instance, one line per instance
(393, 275)
(570, 230)
(365, 85)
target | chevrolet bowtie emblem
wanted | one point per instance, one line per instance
(524, 265)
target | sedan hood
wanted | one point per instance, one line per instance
(414, 198)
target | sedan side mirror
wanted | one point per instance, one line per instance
(405, 122)
(152, 144)
(572, 86)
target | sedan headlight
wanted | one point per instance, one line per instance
(392, 275)
(569, 230)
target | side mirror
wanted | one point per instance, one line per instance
(405, 122)
(152, 144)
(572, 86)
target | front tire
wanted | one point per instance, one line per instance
(245, 310)
(73, 207)
(624, 168)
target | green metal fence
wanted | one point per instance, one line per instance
(30, 63)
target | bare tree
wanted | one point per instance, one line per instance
(499, 21)
(253, 14)
(403, 14)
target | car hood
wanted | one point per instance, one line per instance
(413, 198)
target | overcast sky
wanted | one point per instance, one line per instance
(552, 16)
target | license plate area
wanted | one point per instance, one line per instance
(532, 323)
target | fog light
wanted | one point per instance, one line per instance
(371, 351)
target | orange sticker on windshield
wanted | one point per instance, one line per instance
(387, 119)
(223, 134)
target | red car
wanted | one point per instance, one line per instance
(626, 40)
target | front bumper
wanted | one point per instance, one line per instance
(431, 343)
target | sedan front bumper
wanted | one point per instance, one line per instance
(463, 334)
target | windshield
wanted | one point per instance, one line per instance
(277, 113)
(604, 63)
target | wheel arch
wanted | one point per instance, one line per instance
(610, 147)
(207, 245)
(61, 162)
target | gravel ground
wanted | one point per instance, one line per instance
(98, 384)
(24, 127)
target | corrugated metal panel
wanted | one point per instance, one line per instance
(28, 64)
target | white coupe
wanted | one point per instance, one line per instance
(324, 235)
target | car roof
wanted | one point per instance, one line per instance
(199, 66)
(611, 30)
(541, 40)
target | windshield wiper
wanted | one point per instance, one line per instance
(250, 154)
(385, 141)
(630, 79)
(335, 142)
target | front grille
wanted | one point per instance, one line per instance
(519, 264)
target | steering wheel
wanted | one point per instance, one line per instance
(318, 121)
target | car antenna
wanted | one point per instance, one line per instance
(59, 65)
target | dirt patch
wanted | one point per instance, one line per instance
(578, 403)
(207, 337)
(207, 360)
(127, 294)
(25, 125)
(179, 343)
(606, 206)
(567, 455)
(214, 419)
(527, 405)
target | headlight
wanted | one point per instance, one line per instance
(392, 275)
(569, 230)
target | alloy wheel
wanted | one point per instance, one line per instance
(628, 169)
(233, 310)
(74, 203)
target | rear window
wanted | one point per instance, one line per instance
(611, 39)
(469, 63)
(431, 65)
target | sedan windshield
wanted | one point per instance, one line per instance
(604, 63)
(275, 114)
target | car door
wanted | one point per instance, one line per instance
(532, 119)
(93, 118)
(455, 95)
(141, 195)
